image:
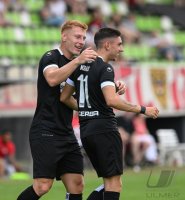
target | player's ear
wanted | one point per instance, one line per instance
(107, 45)
(64, 37)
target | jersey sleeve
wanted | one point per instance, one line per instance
(70, 80)
(49, 60)
(107, 76)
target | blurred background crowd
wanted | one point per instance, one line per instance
(152, 29)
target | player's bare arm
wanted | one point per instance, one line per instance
(67, 98)
(55, 75)
(113, 100)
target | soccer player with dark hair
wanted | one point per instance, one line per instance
(96, 95)
(54, 148)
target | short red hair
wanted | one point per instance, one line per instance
(70, 23)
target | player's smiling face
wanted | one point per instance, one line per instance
(75, 40)
(116, 47)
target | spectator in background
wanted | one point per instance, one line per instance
(78, 10)
(130, 30)
(3, 9)
(115, 20)
(8, 164)
(126, 26)
(136, 5)
(165, 46)
(96, 22)
(78, 7)
(16, 5)
(179, 3)
(53, 12)
(143, 144)
(104, 5)
(76, 128)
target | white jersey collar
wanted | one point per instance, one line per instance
(101, 57)
(60, 51)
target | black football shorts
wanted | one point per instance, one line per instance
(105, 153)
(54, 157)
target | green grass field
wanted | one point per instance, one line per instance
(135, 185)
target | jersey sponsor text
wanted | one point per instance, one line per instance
(88, 113)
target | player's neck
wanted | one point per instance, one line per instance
(66, 53)
(103, 56)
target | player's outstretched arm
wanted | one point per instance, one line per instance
(67, 98)
(113, 100)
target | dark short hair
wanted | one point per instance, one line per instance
(104, 33)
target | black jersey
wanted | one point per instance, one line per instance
(88, 80)
(51, 115)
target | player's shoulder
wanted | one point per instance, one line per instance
(51, 53)
(49, 57)
(104, 66)
(102, 63)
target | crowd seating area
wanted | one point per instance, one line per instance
(25, 36)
